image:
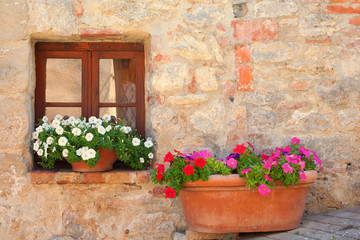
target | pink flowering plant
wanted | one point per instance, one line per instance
(259, 171)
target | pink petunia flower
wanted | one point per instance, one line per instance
(268, 178)
(268, 165)
(232, 163)
(287, 149)
(304, 151)
(287, 168)
(246, 170)
(302, 176)
(205, 154)
(295, 140)
(302, 165)
(263, 189)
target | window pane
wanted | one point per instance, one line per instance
(63, 80)
(51, 112)
(117, 80)
(125, 113)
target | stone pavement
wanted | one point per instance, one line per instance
(343, 224)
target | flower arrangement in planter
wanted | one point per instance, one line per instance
(82, 142)
(246, 192)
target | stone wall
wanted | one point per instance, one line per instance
(218, 73)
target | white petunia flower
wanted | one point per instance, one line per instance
(99, 122)
(58, 117)
(46, 126)
(40, 152)
(91, 153)
(39, 129)
(49, 140)
(101, 130)
(108, 128)
(76, 131)
(148, 144)
(136, 141)
(35, 135)
(85, 156)
(125, 129)
(59, 130)
(45, 119)
(142, 160)
(79, 152)
(65, 152)
(92, 120)
(89, 137)
(106, 117)
(36, 146)
(62, 141)
(151, 155)
(55, 123)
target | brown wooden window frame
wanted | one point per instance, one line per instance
(90, 54)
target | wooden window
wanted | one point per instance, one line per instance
(91, 79)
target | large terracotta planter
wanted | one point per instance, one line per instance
(105, 163)
(224, 204)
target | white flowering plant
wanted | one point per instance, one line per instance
(76, 139)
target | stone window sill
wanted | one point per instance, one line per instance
(70, 177)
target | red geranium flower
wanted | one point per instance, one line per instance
(159, 176)
(240, 149)
(160, 168)
(170, 193)
(264, 157)
(168, 157)
(189, 170)
(200, 162)
(178, 152)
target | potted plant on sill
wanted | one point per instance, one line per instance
(92, 145)
(245, 192)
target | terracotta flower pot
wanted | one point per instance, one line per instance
(105, 163)
(224, 204)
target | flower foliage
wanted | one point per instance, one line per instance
(260, 171)
(76, 139)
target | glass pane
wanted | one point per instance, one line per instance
(63, 80)
(125, 113)
(117, 80)
(51, 112)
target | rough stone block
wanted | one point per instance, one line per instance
(188, 99)
(191, 48)
(15, 127)
(274, 51)
(162, 118)
(14, 66)
(206, 79)
(170, 78)
(240, 9)
(201, 15)
(245, 79)
(257, 30)
(317, 24)
(209, 119)
(13, 18)
(275, 8)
